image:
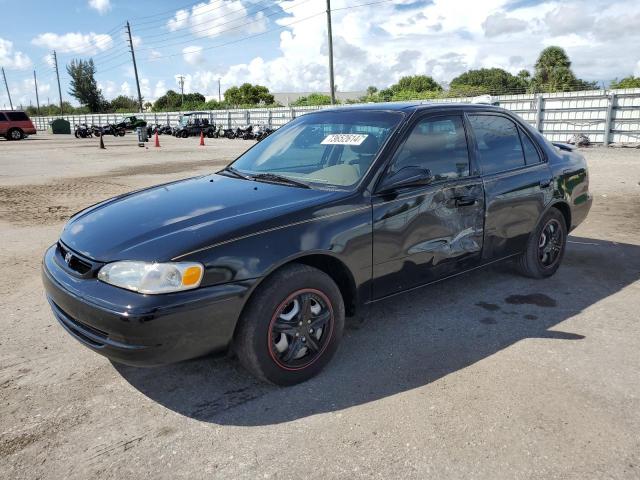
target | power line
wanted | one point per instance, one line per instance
(209, 22)
(172, 11)
(161, 44)
(282, 27)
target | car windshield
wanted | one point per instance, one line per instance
(183, 120)
(334, 149)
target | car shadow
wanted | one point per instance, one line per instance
(405, 342)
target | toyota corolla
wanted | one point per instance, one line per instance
(337, 209)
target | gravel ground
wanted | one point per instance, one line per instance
(489, 375)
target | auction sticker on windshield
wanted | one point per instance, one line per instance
(344, 139)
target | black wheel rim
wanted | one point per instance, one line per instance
(300, 329)
(550, 244)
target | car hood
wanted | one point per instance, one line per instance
(163, 222)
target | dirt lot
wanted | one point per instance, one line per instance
(489, 375)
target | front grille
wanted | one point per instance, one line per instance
(73, 261)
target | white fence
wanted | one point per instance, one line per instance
(605, 116)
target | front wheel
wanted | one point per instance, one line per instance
(545, 247)
(291, 326)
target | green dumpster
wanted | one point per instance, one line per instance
(60, 125)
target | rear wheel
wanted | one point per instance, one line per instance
(15, 134)
(291, 326)
(545, 247)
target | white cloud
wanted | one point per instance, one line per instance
(11, 58)
(500, 24)
(102, 6)
(377, 45)
(211, 19)
(193, 55)
(125, 89)
(74, 42)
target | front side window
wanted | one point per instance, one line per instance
(499, 147)
(328, 148)
(438, 144)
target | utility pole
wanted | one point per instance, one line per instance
(55, 63)
(35, 81)
(330, 35)
(181, 77)
(135, 68)
(7, 86)
(219, 96)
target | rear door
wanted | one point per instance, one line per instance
(517, 182)
(426, 232)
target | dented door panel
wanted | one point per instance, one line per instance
(424, 234)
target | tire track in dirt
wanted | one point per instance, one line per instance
(51, 203)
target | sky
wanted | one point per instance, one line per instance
(282, 44)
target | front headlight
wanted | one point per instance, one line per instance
(152, 278)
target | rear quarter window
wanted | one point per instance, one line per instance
(17, 116)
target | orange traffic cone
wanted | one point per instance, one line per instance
(202, 139)
(157, 140)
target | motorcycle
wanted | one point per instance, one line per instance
(82, 131)
(245, 133)
(261, 132)
(229, 133)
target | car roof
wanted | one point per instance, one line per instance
(14, 111)
(413, 106)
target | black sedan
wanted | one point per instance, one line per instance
(337, 209)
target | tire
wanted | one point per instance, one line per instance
(77, 135)
(15, 134)
(255, 344)
(545, 247)
(210, 134)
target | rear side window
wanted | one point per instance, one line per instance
(531, 154)
(17, 116)
(499, 146)
(2, 117)
(438, 144)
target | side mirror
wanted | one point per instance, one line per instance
(406, 177)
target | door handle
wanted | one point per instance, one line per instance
(545, 183)
(464, 201)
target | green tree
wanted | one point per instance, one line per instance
(553, 73)
(626, 82)
(312, 99)
(173, 101)
(83, 85)
(123, 104)
(416, 83)
(495, 81)
(248, 94)
(371, 91)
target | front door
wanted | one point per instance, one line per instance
(423, 233)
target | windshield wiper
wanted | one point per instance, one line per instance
(275, 178)
(235, 172)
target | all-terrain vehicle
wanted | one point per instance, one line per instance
(193, 123)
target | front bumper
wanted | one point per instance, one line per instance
(137, 329)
